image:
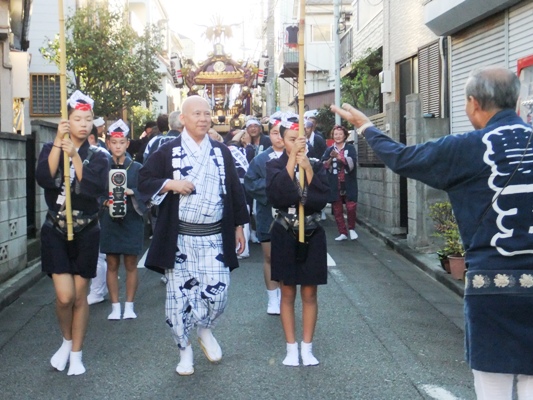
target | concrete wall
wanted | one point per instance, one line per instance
(43, 132)
(419, 195)
(379, 193)
(13, 226)
(379, 197)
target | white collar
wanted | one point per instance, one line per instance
(191, 143)
(312, 138)
(337, 148)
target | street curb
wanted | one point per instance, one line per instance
(426, 262)
(18, 284)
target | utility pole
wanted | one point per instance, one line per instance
(270, 83)
(336, 17)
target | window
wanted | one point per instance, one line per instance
(45, 95)
(321, 33)
(429, 77)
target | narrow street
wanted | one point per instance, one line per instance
(385, 331)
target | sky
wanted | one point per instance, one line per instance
(188, 20)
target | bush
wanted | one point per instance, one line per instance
(446, 227)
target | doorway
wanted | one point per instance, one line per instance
(407, 82)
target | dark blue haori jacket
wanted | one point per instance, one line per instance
(154, 173)
(473, 168)
(85, 193)
(488, 176)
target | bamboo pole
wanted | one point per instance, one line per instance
(301, 106)
(64, 115)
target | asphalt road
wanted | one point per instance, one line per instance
(385, 331)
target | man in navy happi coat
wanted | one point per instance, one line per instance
(488, 176)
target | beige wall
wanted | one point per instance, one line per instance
(404, 32)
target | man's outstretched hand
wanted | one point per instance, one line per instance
(350, 114)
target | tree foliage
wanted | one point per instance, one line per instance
(108, 60)
(138, 117)
(361, 88)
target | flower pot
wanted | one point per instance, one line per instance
(446, 264)
(457, 267)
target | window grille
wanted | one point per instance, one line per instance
(45, 95)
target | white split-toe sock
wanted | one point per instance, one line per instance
(209, 344)
(186, 364)
(115, 312)
(128, 311)
(306, 351)
(76, 364)
(292, 359)
(60, 359)
(273, 302)
(341, 237)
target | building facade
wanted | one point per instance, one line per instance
(14, 126)
(45, 99)
(428, 49)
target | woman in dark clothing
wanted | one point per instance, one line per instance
(289, 266)
(340, 161)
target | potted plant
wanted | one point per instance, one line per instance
(442, 216)
(456, 252)
(447, 229)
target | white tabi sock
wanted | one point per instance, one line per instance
(76, 364)
(128, 311)
(292, 359)
(115, 312)
(209, 344)
(60, 358)
(273, 302)
(307, 354)
(186, 364)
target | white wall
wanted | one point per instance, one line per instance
(44, 25)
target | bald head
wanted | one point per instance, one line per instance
(494, 88)
(196, 117)
(193, 101)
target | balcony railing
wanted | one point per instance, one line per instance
(346, 48)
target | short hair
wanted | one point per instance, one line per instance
(162, 123)
(94, 132)
(493, 88)
(149, 124)
(344, 130)
(174, 120)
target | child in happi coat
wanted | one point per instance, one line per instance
(295, 263)
(122, 235)
(71, 262)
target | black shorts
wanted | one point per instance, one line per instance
(78, 257)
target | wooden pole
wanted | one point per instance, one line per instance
(301, 106)
(64, 115)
